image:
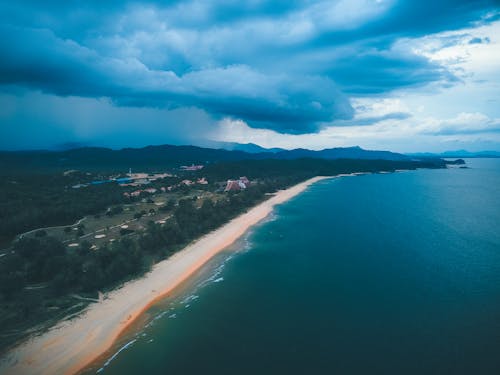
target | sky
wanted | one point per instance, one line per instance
(406, 76)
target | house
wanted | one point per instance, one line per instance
(142, 181)
(138, 176)
(202, 181)
(232, 185)
(136, 193)
(237, 185)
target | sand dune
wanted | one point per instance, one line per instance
(71, 345)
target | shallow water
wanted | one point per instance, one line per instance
(375, 274)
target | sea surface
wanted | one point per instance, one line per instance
(376, 274)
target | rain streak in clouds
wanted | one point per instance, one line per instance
(377, 73)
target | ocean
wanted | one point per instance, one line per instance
(375, 274)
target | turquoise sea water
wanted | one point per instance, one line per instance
(376, 274)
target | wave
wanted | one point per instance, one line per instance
(127, 345)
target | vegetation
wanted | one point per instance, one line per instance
(45, 200)
(35, 201)
(39, 274)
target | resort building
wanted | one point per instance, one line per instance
(236, 185)
(202, 181)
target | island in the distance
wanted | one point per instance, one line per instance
(102, 234)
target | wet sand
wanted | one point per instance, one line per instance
(72, 345)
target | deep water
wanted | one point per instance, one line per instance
(376, 274)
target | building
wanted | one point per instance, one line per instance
(232, 185)
(192, 167)
(202, 181)
(237, 185)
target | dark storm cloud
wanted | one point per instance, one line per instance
(66, 68)
(38, 59)
(381, 71)
(247, 60)
(417, 18)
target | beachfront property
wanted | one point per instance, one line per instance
(237, 185)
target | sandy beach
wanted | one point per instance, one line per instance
(72, 345)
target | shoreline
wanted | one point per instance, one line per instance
(71, 346)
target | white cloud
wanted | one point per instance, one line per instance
(258, 68)
(377, 107)
(463, 123)
(466, 130)
(454, 50)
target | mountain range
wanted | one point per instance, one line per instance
(168, 156)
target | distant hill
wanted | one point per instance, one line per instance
(355, 152)
(69, 146)
(458, 154)
(165, 156)
(245, 147)
(97, 158)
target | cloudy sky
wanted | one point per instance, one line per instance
(383, 74)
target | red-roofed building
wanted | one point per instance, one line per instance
(237, 185)
(232, 185)
(202, 181)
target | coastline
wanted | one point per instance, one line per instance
(70, 346)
